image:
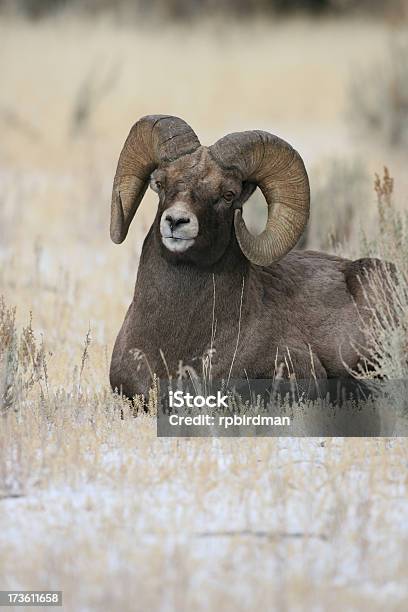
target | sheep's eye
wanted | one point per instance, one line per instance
(159, 185)
(228, 196)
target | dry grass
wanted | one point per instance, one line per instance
(109, 513)
(97, 505)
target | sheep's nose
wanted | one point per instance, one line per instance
(175, 221)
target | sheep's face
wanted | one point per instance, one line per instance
(197, 200)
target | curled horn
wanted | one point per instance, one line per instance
(278, 170)
(152, 140)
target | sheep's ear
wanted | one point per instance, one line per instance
(153, 183)
(247, 190)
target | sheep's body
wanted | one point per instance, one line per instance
(300, 310)
(205, 282)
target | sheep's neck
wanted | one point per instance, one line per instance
(183, 281)
(178, 305)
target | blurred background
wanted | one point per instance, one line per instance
(329, 76)
(191, 9)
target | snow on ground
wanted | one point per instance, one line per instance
(295, 522)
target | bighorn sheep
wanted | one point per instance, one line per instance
(200, 265)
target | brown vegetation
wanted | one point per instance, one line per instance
(91, 501)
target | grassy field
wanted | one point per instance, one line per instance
(97, 505)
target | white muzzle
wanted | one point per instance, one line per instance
(178, 227)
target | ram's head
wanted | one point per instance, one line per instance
(202, 190)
